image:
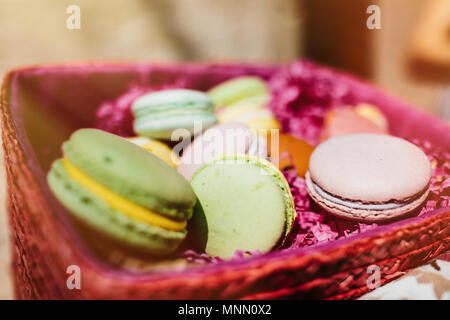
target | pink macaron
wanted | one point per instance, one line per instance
(350, 120)
(226, 138)
(368, 177)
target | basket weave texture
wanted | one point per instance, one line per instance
(41, 105)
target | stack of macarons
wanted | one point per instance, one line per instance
(139, 192)
(134, 199)
(128, 191)
(239, 103)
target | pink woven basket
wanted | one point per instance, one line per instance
(42, 105)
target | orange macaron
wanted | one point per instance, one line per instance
(291, 152)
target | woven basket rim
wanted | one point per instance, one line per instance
(104, 267)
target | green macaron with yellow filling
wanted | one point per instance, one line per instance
(122, 191)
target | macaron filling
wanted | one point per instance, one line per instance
(355, 204)
(119, 203)
(158, 148)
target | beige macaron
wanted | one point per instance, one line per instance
(368, 177)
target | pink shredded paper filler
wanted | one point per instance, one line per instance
(301, 93)
(116, 116)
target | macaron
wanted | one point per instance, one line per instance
(218, 140)
(347, 120)
(288, 151)
(372, 113)
(122, 191)
(368, 177)
(252, 112)
(244, 203)
(237, 89)
(158, 114)
(158, 148)
(235, 110)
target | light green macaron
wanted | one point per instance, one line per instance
(122, 192)
(237, 89)
(158, 114)
(244, 203)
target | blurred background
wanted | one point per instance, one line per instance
(408, 56)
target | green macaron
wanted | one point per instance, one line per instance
(158, 114)
(122, 191)
(244, 203)
(237, 89)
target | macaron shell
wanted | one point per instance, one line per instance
(175, 98)
(158, 114)
(130, 171)
(164, 125)
(258, 147)
(345, 121)
(259, 101)
(158, 148)
(246, 203)
(269, 123)
(370, 168)
(372, 113)
(361, 215)
(236, 89)
(226, 138)
(98, 215)
(231, 113)
(254, 116)
(298, 152)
